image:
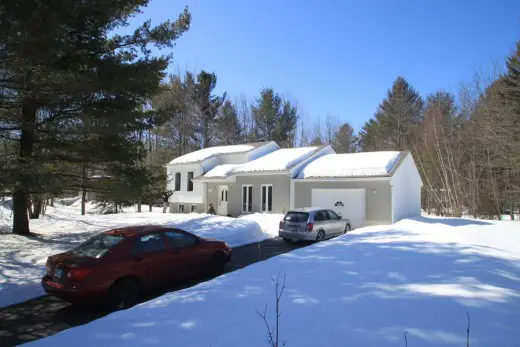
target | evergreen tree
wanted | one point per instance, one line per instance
(345, 141)
(400, 113)
(229, 131)
(58, 66)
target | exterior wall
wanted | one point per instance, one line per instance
(406, 190)
(183, 196)
(378, 206)
(174, 207)
(280, 183)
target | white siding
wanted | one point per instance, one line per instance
(195, 196)
(406, 190)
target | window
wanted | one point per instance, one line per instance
(97, 246)
(180, 240)
(193, 208)
(177, 181)
(267, 198)
(321, 216)
(180, 209)
(247, 198)
(190, 182)
(333, 215)
(150, 243)
(297, 217)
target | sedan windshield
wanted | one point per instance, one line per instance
(97, 246)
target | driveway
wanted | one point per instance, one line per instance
(48, 315)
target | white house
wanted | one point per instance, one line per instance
(189, 195)
(368, 188)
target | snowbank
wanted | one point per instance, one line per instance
(22, 259)
(365, 288)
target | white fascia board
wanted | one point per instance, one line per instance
(262, 173)
(343, 179)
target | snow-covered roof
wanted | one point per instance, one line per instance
(205, 153)
(367, 164)
(279, 160)
(221, 171)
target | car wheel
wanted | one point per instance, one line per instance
(287, 241)
(347, 228)
(321, 236)
(123, 294)
(217, 263)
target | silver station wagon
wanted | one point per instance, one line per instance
(312, 224)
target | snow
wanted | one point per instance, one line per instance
(22, 259)
(351, 165)
(279, 160)
(365, 288)
(220, 171)
(205, 153)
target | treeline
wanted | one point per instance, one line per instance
(467, 150)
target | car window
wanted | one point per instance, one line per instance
(97, 246)
(333, 215)
(150, 243)
(296, 217)
(180, 240)
(320, 216)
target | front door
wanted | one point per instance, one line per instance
(222, 200)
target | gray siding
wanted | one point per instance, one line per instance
(174, 207)
(378, 205)
(280, 183)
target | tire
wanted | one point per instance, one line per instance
(321, 236)
(123, 294)
(287, 241)
(347, 228)
(218, 263)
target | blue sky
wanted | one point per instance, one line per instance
(339, 58)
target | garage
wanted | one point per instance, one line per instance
(348, 203)
(369, 188)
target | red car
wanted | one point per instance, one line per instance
(118, 265)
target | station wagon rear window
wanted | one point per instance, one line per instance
(296, 217)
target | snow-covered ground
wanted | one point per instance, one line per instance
(365, 288)
(22, 259)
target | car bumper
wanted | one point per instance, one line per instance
(298, 236)
(69, 293)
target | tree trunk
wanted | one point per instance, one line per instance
(139, 206)
(21, 191)
(52, 202)
(36, 208)
(83, 190)
(115, 207)
(150, 208)
(20, 218)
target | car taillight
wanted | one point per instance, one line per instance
(78, 274)
(309, 226)
(281, 224)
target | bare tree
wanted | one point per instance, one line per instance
(273, 333)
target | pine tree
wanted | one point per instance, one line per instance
(229, 131)
(57, 66)
(345, 141)
(400, 113)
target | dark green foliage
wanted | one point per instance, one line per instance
(229, 131)
(345, 141)
(275, 119)
(72, 96)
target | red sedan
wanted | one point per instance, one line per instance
(118, 265)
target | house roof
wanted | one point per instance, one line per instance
(352, 165)
(279, 160)
(206, 153)
(220, 171)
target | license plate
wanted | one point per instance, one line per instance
(292, 228)
(58, 273)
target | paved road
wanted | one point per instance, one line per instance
(48, 315)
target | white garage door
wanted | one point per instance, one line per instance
(349, 203)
